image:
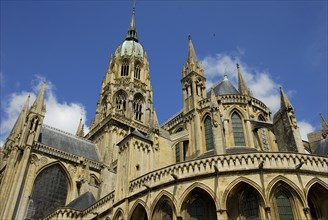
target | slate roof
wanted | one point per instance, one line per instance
(224, 87)
(82, 202)
(68, 142)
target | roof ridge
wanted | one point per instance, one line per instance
(67, 133)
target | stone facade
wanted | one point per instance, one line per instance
(220, 157)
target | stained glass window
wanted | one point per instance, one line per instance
(49, 192)
(167, 212)
(238, 131)
(196, 210)
(208, 133)
(284, 206)
(250, 206)
(177, 152)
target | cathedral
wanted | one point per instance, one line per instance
(223, 156)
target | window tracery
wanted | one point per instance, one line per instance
(237, 129)
(208, 133)
(125, 68)
(137, 107)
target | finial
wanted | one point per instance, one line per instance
(189, 37)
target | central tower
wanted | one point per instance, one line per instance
(125, 102)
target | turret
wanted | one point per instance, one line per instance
(285, 127)
(193, 80)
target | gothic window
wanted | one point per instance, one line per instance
(250, 205)
(177, 152)
(208, 133)
(196, 210)
(263, 132)
(283, 205)
(137, 71)
(34, 124)
(121, 101)
(49, 192)
(137, 107)
(125, 68)
(237, 129)
(166, 211)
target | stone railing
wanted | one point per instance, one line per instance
(39, 147)
(101, 205)
(233, 99)
(229, 163)
(64, 213)
(174, 120)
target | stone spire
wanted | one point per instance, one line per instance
(192, 64)
(80, 129)
(284, 101)
(242, 87)
(324, 126)
(38, 105)
(18, 127)
(192, 58)
(132, 31)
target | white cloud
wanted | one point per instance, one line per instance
(305, 128)
(259, 82)
(64, 116)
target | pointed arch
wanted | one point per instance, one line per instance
(198, 203)
(120, 98)
(208, 131)
(125, 67)
(286, 198)
(281, 180)
(138, 101)
(139, 211)
(163, 207)
(137, 70)
(50, 190)
(235, 183)
(317, 198)
(163, 195)
(119, 214)
(244, 198)
(238, 129)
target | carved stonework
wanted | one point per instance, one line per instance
(43, 160)
(72, 169)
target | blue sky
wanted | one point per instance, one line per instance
(68, 44)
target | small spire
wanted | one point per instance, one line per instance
(80, 129)
(242, 87)
(324, 125)
(38, 105)
(132, 31)
(18, 127)
(192, 58)
(284, 101)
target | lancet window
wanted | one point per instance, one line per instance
(208, 133)
(283, 205)
(237, 128)
(121, 101)
(137, 106)
(264, 137)
(137, 71)
(125, 68)
(250, 205)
